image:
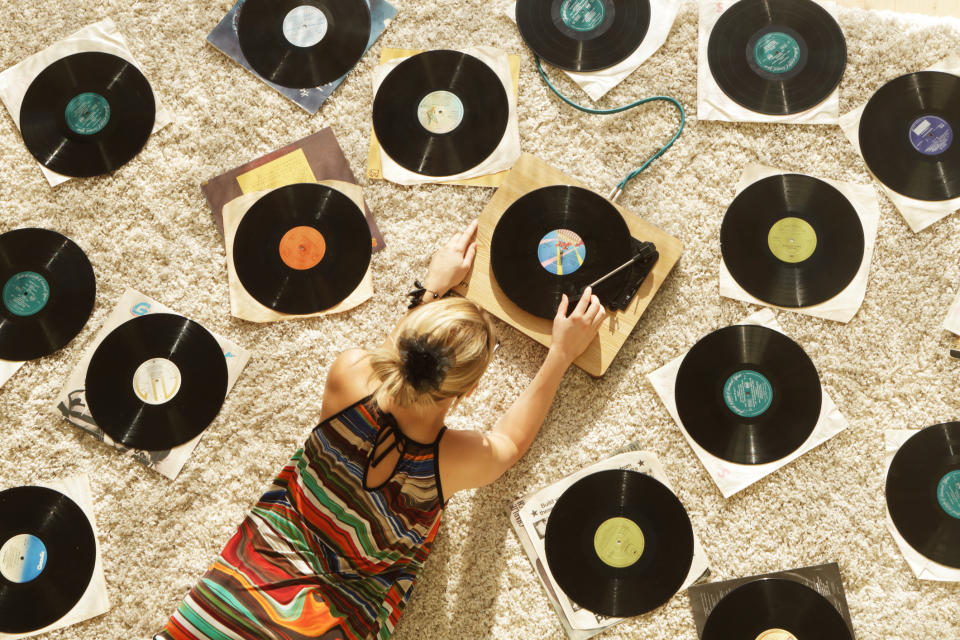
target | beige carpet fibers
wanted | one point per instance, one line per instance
(148, 226)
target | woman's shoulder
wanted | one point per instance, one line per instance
(348, 380)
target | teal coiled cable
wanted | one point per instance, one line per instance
(633, 174)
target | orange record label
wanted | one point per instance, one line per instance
(302, 248)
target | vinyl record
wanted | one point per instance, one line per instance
(792, 240)
(748, 394)
(775, 609)
(907, 135)
(583, 35)
(87, 114)
(156, 382)
(303, 43)
(47, 555)
(777, 57)
(302, 248)
(619, 543)
(47, 291)
(923, 492)
(557, 240)
(440, 113)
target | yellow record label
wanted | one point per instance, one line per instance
(776, 634)
(619, 542)
(792, 239)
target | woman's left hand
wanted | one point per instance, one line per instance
(452, 262)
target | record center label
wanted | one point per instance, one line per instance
(931, 135)
(776, 634)
(305, 26)
(561, 252)
(776, 52)
(748, 393)
(302, 248)
(948, 493)
(26, 294)
(792, 240)
(440, 112)
(157, 381)
(87, 113)
(582, 15)
(22, 558)
(619, 542)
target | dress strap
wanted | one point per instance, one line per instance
(400, 442)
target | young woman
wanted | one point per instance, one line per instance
(334, 547)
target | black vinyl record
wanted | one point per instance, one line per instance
(775, 609)
(440, 113)
(302, 248)
(47, 292)
(792, 240)
(923, 492)
(156, 382)
(907, 135)
(748, 394)
(87, 114)
(47, 556)
(583, 35)
(557, 240)
(303, 43)
(777, 56)
(619, 543)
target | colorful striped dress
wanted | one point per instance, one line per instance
(321, 556)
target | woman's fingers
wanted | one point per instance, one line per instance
(581, 307)
(562, 309)
(464, 239)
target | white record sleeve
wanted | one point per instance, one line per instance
(731, 477)
(713, 103)
(843, 306)
(101, 36)
(919, 214)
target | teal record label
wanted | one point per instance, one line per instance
(87, 113)
(776, 52)
(26, 293)
(582, 15)
(948, 493)
(23, 558)
(440, 111)
(748, 393)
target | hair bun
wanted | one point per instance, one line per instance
(425, 365)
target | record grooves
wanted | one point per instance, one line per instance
(557, 240)
(777, 57)
(302, 249)
(303, 43)
(156, 382)
(619, 543)
(440, 113)
(40, 594)
(923, 492)
(583, 35)
(907, 133)
(792, 240)
(748, 394)
(47, 292)
(87, 114)
(775, 609)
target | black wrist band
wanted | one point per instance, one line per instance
(416, 296)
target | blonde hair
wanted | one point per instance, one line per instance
(438, 351)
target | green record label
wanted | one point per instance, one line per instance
(948, 493)
(26, 293)
(440, 112)
(792, 240)
(776, 52)
(618, 542)
(582, 15)
(87, 113)
(748, 393)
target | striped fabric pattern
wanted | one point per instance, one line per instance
(320, 556)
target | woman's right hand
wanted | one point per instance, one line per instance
(573, 334)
